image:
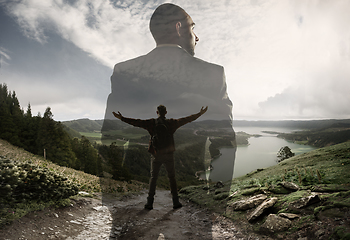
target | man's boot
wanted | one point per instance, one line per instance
(149, 204)
(176, 202)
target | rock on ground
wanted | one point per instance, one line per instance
(275, 223)
(113, 218)
(261, 208)
(248, 203)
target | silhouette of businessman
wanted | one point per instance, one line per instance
(170, 75)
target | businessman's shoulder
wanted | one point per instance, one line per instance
(129, 64)
(204, 64)
(165, 57)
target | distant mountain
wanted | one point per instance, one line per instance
(305, 124)
(84, 125)
(72, 133)
(87, 125)
(320, 137)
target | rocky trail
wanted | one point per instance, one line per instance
(125, 218)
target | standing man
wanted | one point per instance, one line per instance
(161, 147)
(171, 75)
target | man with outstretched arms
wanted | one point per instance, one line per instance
(162, 150)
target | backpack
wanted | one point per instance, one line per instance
(161, 138)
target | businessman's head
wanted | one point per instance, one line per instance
(170, 24)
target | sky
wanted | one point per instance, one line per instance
(283, 59)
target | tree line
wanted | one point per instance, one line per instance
(42, 135)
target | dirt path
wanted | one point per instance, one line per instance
(124, 219)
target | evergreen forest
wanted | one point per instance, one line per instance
(65, 146)
(42, 135)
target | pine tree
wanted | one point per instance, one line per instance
(29, 111)
(76, 148)
(114, 161)
(54, 141)
(29, 132)
(11, 116)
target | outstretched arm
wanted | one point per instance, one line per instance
(146, 124)
(203, 110)
(118, 115)
(191, 118)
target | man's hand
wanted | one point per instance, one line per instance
(203, 110)
(118, 115)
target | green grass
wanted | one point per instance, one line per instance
(87, 182)
(119, 137)
(326, 170)
(333, 163)
(119, 143)
(321, 167)
(125, 133)
(91, 134)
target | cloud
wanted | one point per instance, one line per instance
(108, 32)
(74, 108)
(283, 46)
(323, 95)
(275, 53)
(68, 101)
(112, 32)
(318, 83)
(4, 57)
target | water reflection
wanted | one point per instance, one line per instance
(260, 153)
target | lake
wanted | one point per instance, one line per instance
(260, 153)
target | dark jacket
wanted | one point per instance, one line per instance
(149, 125)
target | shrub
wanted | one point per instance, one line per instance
(22, 182)
(284, 153)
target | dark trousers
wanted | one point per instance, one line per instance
(156, 162)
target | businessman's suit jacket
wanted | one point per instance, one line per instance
(170, 76)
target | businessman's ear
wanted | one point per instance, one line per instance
(178, 28)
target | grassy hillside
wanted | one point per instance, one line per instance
(84, 125)
(87, 182)
(325, 171)
(332, 164)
